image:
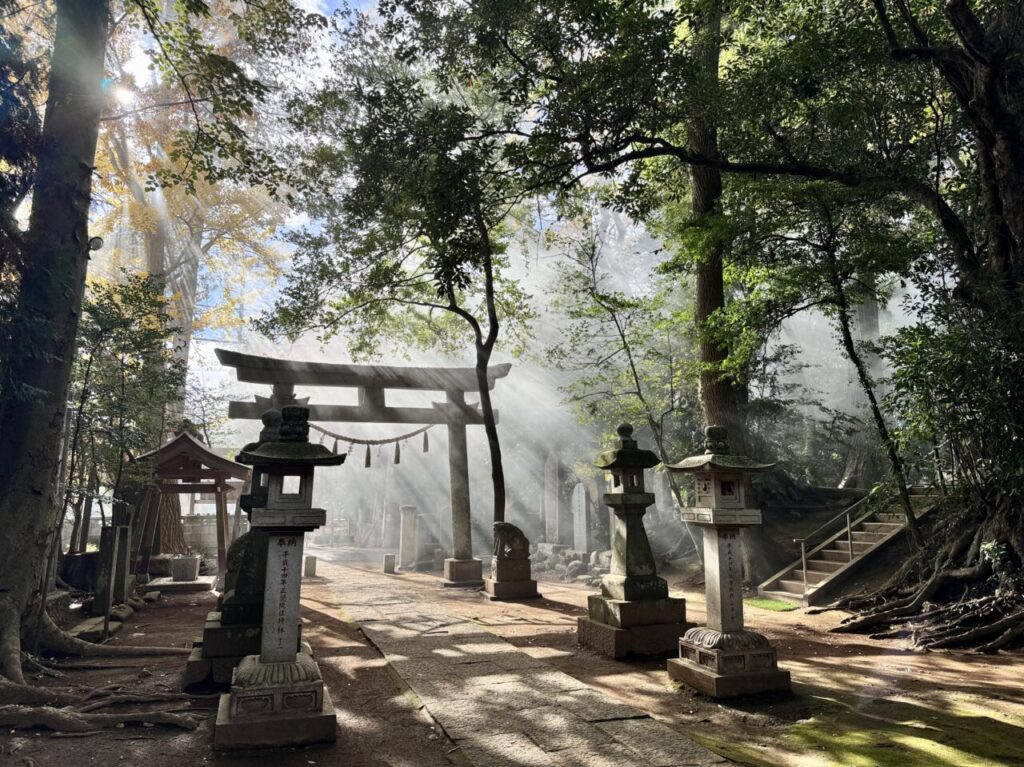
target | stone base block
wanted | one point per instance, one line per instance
(220, 640)
(718, 685)
(646, 612)
(630, 588)
(205, 672)
(510, 569)
(657, 639)
(463, 573)
(279, 729)
(508, 591)
(168, 586)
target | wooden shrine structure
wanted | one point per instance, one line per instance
(371, 382)
(184, 465)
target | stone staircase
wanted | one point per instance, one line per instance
(829, 562)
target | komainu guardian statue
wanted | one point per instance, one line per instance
(509, 542)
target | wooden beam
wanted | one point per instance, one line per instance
(197, 487)
(252, 368)
(469, 415)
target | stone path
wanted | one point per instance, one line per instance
(502, 707)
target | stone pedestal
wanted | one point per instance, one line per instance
(277, 698)
(510, 580)
(273, 704)
(463, 573)
(724, 659)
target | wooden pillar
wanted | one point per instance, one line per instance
(236, 527)
(148, 533)
(222, 528)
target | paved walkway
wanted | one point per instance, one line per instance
(501, 706)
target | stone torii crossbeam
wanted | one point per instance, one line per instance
(371, 381)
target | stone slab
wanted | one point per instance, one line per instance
(502, 591)
(279, 730)
(168, 586)
(91, 629)
(715, 685)
(657, 640)
(658, 745)
(640, 612)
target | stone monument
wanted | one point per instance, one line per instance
(634, 613)
(278, 697)
(723, 659)
(510, 569)
(582, 539)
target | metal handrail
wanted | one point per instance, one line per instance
(849, 536)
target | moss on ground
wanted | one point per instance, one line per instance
(765, 603)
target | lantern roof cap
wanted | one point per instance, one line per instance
(627, 455)
(716, 456)
(284, 441)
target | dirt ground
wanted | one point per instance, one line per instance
(369, 701)
(856, 701)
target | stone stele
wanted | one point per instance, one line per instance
(634, 615)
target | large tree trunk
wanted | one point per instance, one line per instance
(49, 305)
(718, 394)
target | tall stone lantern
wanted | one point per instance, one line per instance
(634, 615)
(724, 659)
(278, 697)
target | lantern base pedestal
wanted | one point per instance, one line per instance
(727, 664)
(617, 628)
(463, 574)
(275, 704)
(274, 731)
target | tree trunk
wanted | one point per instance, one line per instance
(483, 357)
(46, 321)
(170, 532)
(864, 377)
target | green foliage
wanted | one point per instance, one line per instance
(956, 384)
(410, 214)
(125, 374)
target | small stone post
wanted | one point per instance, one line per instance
(634, 613)
(724, 659)
(278, 697)
(407, 550)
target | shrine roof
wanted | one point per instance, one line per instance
(186, 446)
(718, 461)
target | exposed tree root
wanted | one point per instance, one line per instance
(956, 594)
(64, 720)
(53, 638)
(113, 700)
(23, 695)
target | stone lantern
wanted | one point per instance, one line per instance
(723, 659)
(278, 697)
(634, 613)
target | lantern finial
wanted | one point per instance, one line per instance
(716, 440)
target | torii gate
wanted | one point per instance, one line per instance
(461, 569)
